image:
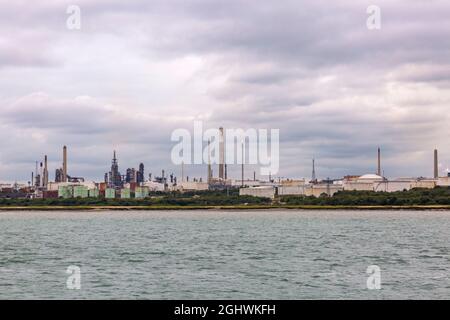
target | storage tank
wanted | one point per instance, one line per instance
(80, 192)
(125, 193)
(110, 193)
(141, 192)
(94, 193)
(64, 192)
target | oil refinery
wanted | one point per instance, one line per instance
(135, 184)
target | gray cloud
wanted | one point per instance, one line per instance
(137, 70)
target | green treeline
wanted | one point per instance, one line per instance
(436, 196)
(199, 198)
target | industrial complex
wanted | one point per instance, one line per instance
(135, 184)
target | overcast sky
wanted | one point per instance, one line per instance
(137, 70)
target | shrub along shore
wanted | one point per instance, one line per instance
(420, 199)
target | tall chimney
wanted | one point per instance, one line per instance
(242, 168)
(436, 168)
(379, 162)
(209, 163)
(41, 175)
(313, 176)
(45, 172)
(36, 175)
(64, 164)
(221, 154)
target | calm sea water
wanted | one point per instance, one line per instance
(225, 254)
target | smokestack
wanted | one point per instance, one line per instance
(45, 178)
(209, 164)
(36, 175)
(436, 168)
(313, 176)
(379, 162)
(242, 164)
(41, 175)
(221, 154)
(64, 164)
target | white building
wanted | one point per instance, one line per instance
(54, 186)
(444, 181)
(367, 182)
(292, 190)
(250, 183)
(191, 186)
(263, 192)
(154, 186)
(373, 182)
(317, 190)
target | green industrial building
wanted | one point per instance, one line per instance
(64, 192)
(110, 193)
(125, 193)
(141, 192)
(80, 192)
(94, 193)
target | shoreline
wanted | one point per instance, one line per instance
(231, 207)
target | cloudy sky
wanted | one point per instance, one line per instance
(137, 70)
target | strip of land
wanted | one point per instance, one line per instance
(415, 199)
(230, 207)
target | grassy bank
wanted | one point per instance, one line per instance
(227, 207)
(439, 196)
(416, 199)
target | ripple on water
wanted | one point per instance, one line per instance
(224, 254)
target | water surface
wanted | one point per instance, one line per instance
(285, 254)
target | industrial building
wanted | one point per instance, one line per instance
(367, 182)
(134, 185)
(263, 191)
(113, 178)
(110, 193)
(141, 192)
(155, 186)
(125, 193)
(73, 191)
(191, 186)
(315, 189)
